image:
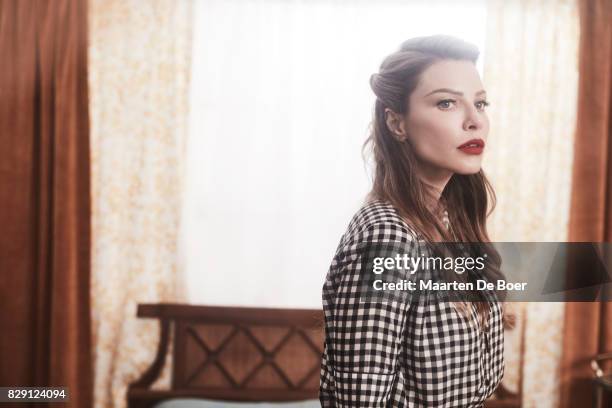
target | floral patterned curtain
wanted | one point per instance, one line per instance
(531, 75)
(139, 56)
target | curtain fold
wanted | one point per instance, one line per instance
(45, 197)
(588, 328)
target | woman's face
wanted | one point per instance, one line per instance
(447, 110)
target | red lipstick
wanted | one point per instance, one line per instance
(473, 146)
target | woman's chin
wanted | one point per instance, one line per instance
(467, 170)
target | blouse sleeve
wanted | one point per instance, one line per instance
(364, 328)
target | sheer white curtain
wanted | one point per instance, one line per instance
(280, 106)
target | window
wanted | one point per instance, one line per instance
(280, 107)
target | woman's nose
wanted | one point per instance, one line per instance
(472, 120)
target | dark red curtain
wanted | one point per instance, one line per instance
(588, 326)
(45, 197)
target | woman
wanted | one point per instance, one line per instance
(428, 133)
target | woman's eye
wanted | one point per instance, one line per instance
(481, 105)
(446, 104)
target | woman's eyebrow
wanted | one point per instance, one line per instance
(452, 91)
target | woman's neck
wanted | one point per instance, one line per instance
(436, 180)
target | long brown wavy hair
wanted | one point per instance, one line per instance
(469, 199)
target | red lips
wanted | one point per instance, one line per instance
(473, 146)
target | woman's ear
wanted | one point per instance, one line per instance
(396, 125)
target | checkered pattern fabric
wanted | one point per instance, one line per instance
(387, 351)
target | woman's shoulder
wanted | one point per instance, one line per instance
(379, 219)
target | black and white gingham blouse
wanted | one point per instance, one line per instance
(391, 353)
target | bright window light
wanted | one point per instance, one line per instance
(280, 107)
